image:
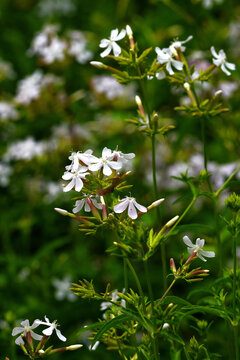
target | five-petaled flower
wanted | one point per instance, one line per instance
(51, 327)
(106, 163)
(165, 56)
(86, 158)
(110, 44)
(221, 60)
(76, 179)
(24, 329)
(197, 248)
(131, 204)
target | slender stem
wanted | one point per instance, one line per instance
(125, 272)
(235, 328)
(165, 293)
(226, 182)
(137, 283)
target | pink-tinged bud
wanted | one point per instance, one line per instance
(171, 222)
(155, 204)
(129, 31)
(104, 209)
(191, 257)
(98, 64)
(140, 106)
(93, 209)
(61, 211)
(29, 339)
(74, 347)
(173, 266)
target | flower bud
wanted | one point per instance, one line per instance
(98, 64)
(129, 31)
(173, 266)
(74, 347)
(171, 222)
(155, 204)
(166, 326)
(61, 211)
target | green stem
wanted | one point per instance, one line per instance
(235, 328)
(165, 293)
(226, 182)
(125, 274)
(137, 283)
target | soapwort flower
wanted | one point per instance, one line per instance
(131, 204)
(51, 327)
(24, 329)
(76, 179)
(178, 45)
(220, 59)
(86, 158)
(165, 56)
(197, 248)
(110, 44)
(106, 163)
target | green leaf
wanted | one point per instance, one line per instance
(114, 323)
(206, 229)
(173, 337)
(176, 301)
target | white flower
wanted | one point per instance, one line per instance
(76, 179)
(26, 327)
(87, 158)
(54, 51)
(83, 202)
(106, 163)
(221, 60)
(198, 248)
(94, 347)
(165, 56)
(178, 45)
(7, 111)
(110, 44)
(51, 327)
(121, 157)
(114, 297)
(131, 204)
(63, 289)
(29, 88)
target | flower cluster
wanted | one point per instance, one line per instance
(51, 47)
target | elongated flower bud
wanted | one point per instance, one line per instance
(61, 211)
(74, 347)
(140, 106)
(155, 204)
(171, 222)
(98, 64)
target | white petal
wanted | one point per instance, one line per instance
(48, 331)
(107, 51)
(60, 336)
(35, 324)
(95, 167)
(79, 184)
(214, 52)
(224, 69)
(140, 207)
(207, 253)
(200, 243)
(201, 257)
(69, 186)
(78, 205)
(67, 176)
(17, 330)
(107, 170)
(36, 336)
(178, 65)
(19, 340)
(121, 35)
(87, 207)
(115, 165)
(169, 68)
(187, 241)
(230, 66)
(132, 212)
(113, 34)
(104, 43)
(119, 208)
(106, 153)
(25, 323)
(116, 49)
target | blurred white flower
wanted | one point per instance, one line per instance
(5, 173)
(221, 60)
(110, 44)
(54, 51)
(121, 157)
(51, 327)
(83, 203)
(198, 248)
(210, 3)
(131, 204)
(77, 47)
(25, 149)
(29, 88)
(76, 179)
(165, 56)
(55, 7)
(106, 163)
(6, 70)
(26, 327)
(62, 289)
(7, 111)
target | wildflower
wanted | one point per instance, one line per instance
(76, 179)
(165, 57)
(87, 158)
(178, 45)
(63, 289)
(131, 204)
(106, 304)
(220, 60)
(121, 157)
(26, 327)
(106, 163)
(7, 111)
(84, 202)
(51, 327)
(197, 248)
(110, 44)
